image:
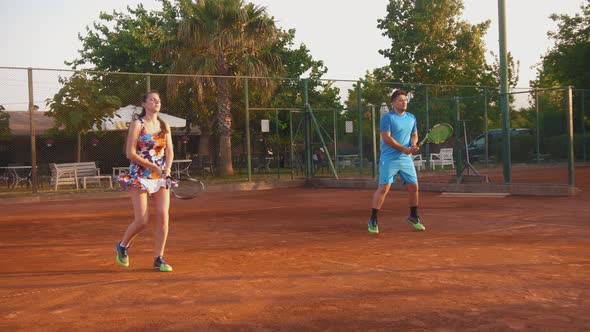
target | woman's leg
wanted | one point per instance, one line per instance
(139, 199)
(161, 208)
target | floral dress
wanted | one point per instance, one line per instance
(152, 148)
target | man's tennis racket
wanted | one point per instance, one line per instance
(438, 134)
(186, 188)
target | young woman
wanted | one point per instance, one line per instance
(149, 149)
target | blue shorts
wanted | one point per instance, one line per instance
(388, 169)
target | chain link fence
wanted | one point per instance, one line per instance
(241, 129)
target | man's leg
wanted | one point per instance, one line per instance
(413, 196)
(378, 199)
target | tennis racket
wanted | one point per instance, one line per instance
(438, 134)
(186, 188)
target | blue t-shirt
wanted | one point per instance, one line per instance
(401, 128)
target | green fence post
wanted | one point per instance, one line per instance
(360, 125)
(537, 126)
(504, 107)
(248, 146)
(427, 152)
(335, 115)
(583, 123)
(458, 140)
(570, 134)
(292, 144)
(374, 141)
(308, 149)
(276, 153)
(485, 122)
(32, 127)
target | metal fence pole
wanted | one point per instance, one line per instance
(537, 126)
(504, 107)
(485, 123)
(360, 125)
(427, 152)
(32, 126)
(570, 135)
(458, 140)
(277, 151)
(374, 141)
(583, 123)
(307, 117)
(248, 143)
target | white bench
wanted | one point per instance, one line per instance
(75, 173)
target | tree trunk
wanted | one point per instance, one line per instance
(224, 120)
(204, 145)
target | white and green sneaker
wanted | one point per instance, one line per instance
(161, 265)
(122, 256)
(372, 226)
(415, 222)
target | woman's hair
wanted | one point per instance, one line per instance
(144, 99)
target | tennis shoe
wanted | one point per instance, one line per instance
(161, 265)
(122, 256)
(372, 226)
(416, 223)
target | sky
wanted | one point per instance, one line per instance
(342, 33)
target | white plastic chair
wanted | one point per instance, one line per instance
(418, 161)
(443, 158)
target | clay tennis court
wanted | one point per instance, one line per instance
(302, 259)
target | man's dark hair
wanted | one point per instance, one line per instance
(398, 92)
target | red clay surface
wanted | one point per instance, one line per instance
(302, 259)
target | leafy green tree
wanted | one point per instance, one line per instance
(81, 105)
(126, 42)
(566, 63)
(5, 133)
(225, 38)
(431, 44)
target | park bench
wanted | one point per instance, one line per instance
(76, 174)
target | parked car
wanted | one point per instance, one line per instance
(477, 147)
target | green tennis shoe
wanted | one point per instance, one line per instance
(122, 256)
(372, 226)
(415, 222)
(161, 265)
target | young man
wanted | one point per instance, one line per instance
(399, 136)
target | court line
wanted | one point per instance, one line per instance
(504, 229)
(68, 287)
(523, 222)
(258, 209)
(549, 224)
(57, 289)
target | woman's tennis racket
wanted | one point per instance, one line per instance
(186, 188)
(438, 134)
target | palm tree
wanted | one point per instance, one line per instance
(224, 38)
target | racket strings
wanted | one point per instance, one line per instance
(440, 133)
